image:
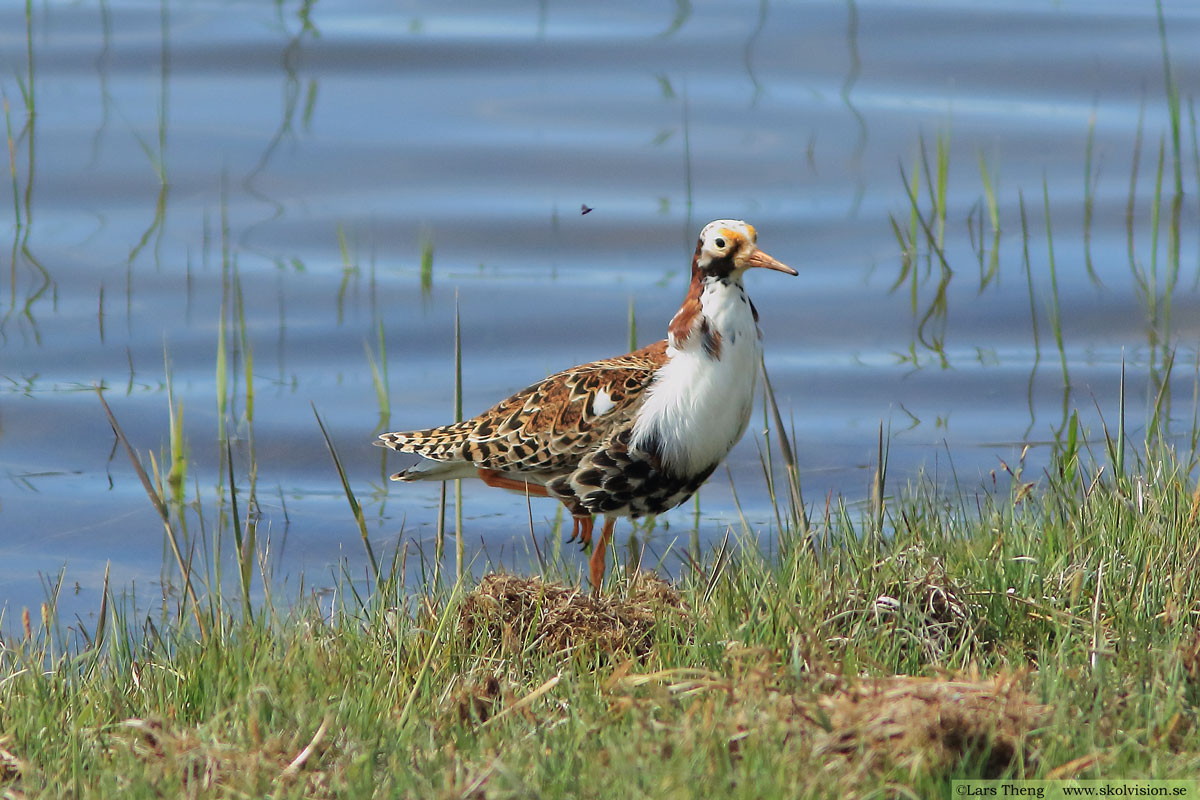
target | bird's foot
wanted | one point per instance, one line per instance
(582, 531)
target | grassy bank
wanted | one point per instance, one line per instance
(1044, 630)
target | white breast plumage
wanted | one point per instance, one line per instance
(700, 402)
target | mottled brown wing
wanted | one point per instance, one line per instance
(548, 426)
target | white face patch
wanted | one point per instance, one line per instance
(721, 236)
(602, 403)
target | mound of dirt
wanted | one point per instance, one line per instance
(932, 725)
(519, 613)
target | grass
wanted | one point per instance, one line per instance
(1039, 632)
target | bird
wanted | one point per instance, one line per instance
(627, 436)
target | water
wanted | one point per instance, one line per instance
(277, 170)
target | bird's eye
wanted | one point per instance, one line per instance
(720, 243)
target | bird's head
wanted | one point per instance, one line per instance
(728, 247)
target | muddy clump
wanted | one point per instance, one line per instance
(932, 725)
(520, 614)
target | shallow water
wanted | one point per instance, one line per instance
(292, 161)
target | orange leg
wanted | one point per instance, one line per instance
(597, 563)
(493, 478)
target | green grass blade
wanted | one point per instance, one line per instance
(459, 542)
(355, 508)
(156, 499)
(1055, 309)
(427, 267)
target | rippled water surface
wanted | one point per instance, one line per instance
(266, 180)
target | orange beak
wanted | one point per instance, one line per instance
(760, 259)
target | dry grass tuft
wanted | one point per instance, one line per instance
(917, 596)
(203, 764)
(519, 614)
(11, 767)
(1188, 651)
(478, 700)
(857, 733)
(931, 725)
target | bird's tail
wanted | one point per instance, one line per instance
(441, 443)
(441, 449)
